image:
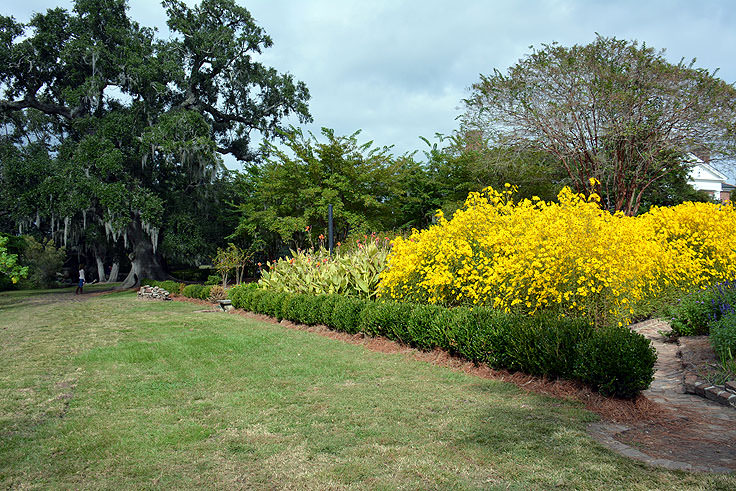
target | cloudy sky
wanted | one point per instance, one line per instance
(398, 70)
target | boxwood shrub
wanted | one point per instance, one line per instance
(545, 344)
(423, 327)
(614, 361)
(192, 291)
(346, 316)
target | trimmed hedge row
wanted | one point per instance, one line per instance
(615, 361)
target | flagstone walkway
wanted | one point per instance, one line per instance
(704, 436)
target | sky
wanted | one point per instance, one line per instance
(398, 70)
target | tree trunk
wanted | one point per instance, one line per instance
(144, 262)
(100, 269)
(114, 272)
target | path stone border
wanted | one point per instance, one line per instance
(721, 394)
(668, 389)
(605, 433)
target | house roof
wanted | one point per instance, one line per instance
(702, 171)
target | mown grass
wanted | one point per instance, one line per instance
(114, 392)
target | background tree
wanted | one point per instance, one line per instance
(613, 110)
(284, 200)
(110, 127)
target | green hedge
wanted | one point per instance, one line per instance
(615, 361)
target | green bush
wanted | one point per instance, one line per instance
(694, 313)
(270, 304)
(213, 279)
(479, 334)
(310, 314)
(192, 291)
(346, 316)
(252, 298)
(44, 261)
(422, 327)
(292, 310)
(236, 294)
(388, 319)
(326, 308)
(204, 293)
(616, 361)
(723, 336)
(545, 344)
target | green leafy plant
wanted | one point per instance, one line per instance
(616, 361)
(216, 293)
(723, 336)
(193, 291)
(315, 272)
(9, 263)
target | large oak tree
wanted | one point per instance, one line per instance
(114, 135)
(613, 110)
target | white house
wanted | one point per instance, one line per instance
(704, 177)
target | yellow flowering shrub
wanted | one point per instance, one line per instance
(570, 256)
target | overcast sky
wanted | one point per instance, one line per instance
(399, 69)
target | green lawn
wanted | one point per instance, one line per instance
(114, 392)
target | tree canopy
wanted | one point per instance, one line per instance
(285, 199)
(114, 134)
(613, 110)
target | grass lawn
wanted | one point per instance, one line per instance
(114, 392)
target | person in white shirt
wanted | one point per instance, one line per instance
(80, 287)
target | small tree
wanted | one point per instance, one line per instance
(233, 259)
(44, 261)
(612, 110)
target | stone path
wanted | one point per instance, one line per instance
(700, 435)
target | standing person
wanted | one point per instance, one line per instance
(80, 287)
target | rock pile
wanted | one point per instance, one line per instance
(147, 292)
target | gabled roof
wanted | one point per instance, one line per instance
(703, 171)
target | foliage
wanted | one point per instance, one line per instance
(723, 336)
(693, 314)
(237, 293)
(192, 291)
(44, 262)
(111, 131)
(234, 259)
(317, 272)
(346, 316)
(612, 110)
(216, 293)
(9, 263)
(213, 279)
(569, 257)
(616, 361)
(285, 200)
(546, 344)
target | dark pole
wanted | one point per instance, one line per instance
(330, 239)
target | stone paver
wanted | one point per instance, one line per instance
(715, 423)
